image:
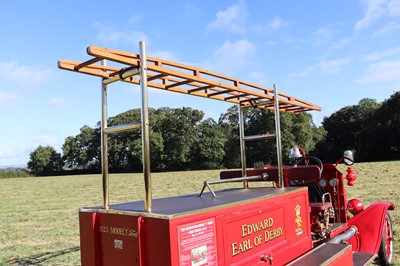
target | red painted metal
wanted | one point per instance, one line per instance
(275, 230)
(351, 176)
(346, 259)
(247, 233)
(355, 206)
(370, 224)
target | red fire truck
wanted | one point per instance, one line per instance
(303, 218)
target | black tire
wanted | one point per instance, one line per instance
(386, 250)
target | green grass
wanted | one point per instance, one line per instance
(39, 216)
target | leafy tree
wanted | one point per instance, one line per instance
(348, 128)
(229, 123)
(45, 161)
(208, 148)
(177, 127)
(83, 150)
(124, 149)
(383, 136)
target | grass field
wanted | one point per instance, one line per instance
(39, 216)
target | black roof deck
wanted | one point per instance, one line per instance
(178, 206)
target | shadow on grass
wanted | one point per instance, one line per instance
(38, 259)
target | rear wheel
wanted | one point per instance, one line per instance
(386, 251)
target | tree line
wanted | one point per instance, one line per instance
(181, 139)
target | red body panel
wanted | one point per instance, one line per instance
(346, 259)
(243, 234)
(369, 224)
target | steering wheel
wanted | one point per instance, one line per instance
(307, 161)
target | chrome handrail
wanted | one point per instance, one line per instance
(207, 183)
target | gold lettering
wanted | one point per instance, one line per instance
(234, 249)
(122, 231)
(241, 247)
(263, 227)
(272, 234)
(248, 229)
(132, 233)
(244, 231)
(103, 228)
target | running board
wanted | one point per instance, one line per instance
(326, 254)
(362, 258)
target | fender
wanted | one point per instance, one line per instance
(369, 224)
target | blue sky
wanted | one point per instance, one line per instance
(331, 53)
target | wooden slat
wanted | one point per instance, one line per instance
(201, 88)
(176, 84)
(89, 62)
(156, 77)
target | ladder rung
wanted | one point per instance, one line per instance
(120, 128)
(259, 137)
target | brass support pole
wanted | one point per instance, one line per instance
(242, 144)
(145, 129)
(278, 137)
(104, 144)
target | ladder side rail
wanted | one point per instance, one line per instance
(104, 144)
(242, 144)
(145, 129)
(278, 137)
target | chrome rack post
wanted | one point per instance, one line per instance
(242, 144)
(104, 143)
(145, 128)
(278, 137)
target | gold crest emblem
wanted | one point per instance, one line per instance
(299, 220)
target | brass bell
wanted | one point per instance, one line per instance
(295, 153)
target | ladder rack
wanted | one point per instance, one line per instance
(166, 75)
(176, 77)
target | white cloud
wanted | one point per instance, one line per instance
(258, 77)
(376, 56)
(6, 97)
(231, 57)
(108, 34)
(323, 35)
(324, 68)
(277, 23)
(15, 156)
(394, 8)
(272, 25)
(167, 55)
(57, 101)
(375, 9)
(191, 10)
(371, 57)
(342, 43)
(46, 139)
(381, 71)
(387, 30)
(232, 19)
(134, 19)
(31, 76)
